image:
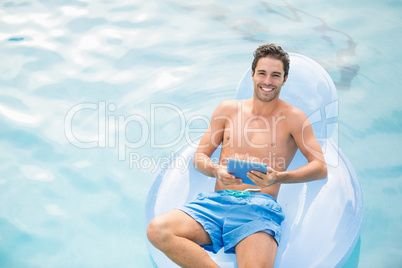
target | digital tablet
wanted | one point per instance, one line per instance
(239, 168)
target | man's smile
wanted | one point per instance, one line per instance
(267, 89)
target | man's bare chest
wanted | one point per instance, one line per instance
(256, 132)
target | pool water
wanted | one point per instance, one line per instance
(96, 95)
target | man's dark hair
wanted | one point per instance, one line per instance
(271, 51)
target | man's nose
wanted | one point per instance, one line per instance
(267, 80)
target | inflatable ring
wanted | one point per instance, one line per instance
(323, 218)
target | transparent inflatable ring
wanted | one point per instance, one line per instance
(323, 218)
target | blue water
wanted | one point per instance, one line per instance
(94, 96)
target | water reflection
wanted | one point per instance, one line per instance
(329, 36)
(295, 29)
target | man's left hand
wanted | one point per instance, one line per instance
(261, 179)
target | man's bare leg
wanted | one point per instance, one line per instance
(178, 236)
(256, 250)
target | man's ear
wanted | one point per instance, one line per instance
(252, 73)
(284, 80)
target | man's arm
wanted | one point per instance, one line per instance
(211, 139)
(315, 169)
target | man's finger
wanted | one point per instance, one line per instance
(256, 174)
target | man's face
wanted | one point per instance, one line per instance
(268, 78)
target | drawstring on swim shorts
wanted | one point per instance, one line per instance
(238, 193)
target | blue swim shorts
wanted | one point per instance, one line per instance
(230, 216)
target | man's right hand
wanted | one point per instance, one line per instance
(226, 178)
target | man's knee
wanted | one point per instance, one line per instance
(158, 231)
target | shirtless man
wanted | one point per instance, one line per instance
(243, 218)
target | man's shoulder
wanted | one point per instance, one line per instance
(291, 111)
(228, 106)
